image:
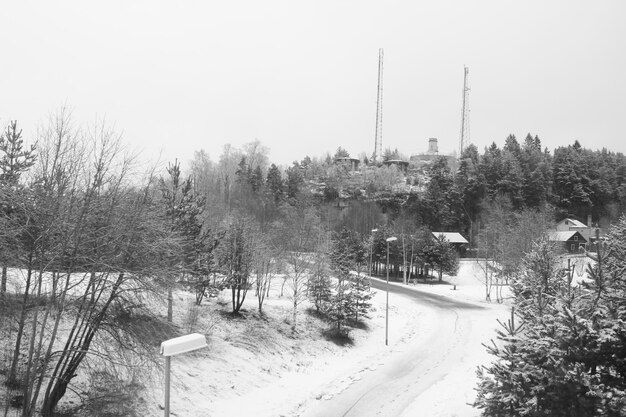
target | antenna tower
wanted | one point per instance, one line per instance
(465, 130)
(378, 138)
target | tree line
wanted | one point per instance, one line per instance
(453, 194)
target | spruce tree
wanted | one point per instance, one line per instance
(568, 355)
(320, 290)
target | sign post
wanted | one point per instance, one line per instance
(177, 346)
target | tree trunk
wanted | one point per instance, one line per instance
(73, 357)
(20, 329)
(403, 261)
(3, 282)
(295, 313)
(170, 303)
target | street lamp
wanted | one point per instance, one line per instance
(177, 346)
(389, 239)
(372, 250)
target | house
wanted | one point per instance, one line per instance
(572, 240)
(569, 224)
(454, 238)
(402, 165)
(351, 163)
(451, 237)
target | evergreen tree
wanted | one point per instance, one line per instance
(362, 295)
(294, 181)
(566, 357)
(492, 169)
(256, 179)
(512, 146)
(442, 256)
(15, 160)
(320, 290)
(274, 183)
(341, 153)
(437, 196)
(510, 183)
(351, 296)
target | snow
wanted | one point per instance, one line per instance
(256, 366)
(281, 376)
(243, 372)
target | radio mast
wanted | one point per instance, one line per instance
(465, 130)
(378, 138)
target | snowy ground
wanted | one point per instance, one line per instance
(257, 367)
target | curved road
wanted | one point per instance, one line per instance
(431, 355)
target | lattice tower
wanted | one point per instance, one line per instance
(465, 112)
(378, 138)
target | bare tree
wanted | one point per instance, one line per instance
(405, 229)
(267, 263)
(301, 230)
(505, 238)
(101, 240)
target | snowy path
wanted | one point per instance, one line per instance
(425, 374)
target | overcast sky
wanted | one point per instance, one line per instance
(301, 77)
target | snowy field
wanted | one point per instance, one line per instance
(256, 366)
(253, 369)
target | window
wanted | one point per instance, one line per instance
(575, 237)
(573, 247)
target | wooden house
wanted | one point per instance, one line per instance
(572, 225)
(572, 240)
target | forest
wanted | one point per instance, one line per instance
(92, 239)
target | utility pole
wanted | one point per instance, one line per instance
(465, 130)
(378, 138)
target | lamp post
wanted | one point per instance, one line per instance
(372, 250)
(389, 239)
(177, 346)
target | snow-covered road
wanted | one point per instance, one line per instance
(428, 371)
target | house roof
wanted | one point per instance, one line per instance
(347, 158)
(564, 236)
(451, 237)
(573, 223)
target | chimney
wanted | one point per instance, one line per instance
(589, 221)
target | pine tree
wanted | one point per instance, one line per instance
(14, 162)
(320, 284)
(362, 295)
(348, 300)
